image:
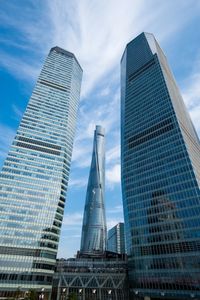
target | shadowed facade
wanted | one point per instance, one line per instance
(160, 176)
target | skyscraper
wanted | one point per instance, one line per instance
(116, 240)
(93, 240)
(34, 178)
(160, 176)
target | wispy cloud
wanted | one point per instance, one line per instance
(191, 93)
(86, 28)
(113, 154)
(18, 113)
(106, 114)
(73, 219)
(91, 29)
(18, 67)
(6, 136)
(113, 174)
(77, 182)
(111, 222)
(116, 209)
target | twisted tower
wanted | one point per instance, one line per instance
(93, 239)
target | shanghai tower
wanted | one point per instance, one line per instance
(94, 232)
(160, 156)
(34, 179)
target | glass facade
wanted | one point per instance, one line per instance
(94, 232)
(94, 278)
(116, 240)
(34, 177)
(160, 176)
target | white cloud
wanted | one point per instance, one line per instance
(6, 136)
(191, 94)
(113, 154)
(111, 222)
(113, 174)
(96, 31)
(105, 92)
(73, 219)
(105, 113)
(77, 182)
(17, 111)
(81, 155)
(116, 209)
(26, 70)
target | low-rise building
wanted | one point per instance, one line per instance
(99, 277)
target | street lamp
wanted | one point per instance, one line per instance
(94, 294)
(41, 296)
(109, 293)
(80, 293)
(63, 293)
(136, 292)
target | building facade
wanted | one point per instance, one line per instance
(116, 239)
(94, 231)
(91, 278)
(160, 177)
(34, 178)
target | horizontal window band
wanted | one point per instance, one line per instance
(54, 85)
(33, 147)
(37, 142)
(166, 248)
(25, 278)
(141, 70)
(26, 252)
(150, 133)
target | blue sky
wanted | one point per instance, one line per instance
(96, 32)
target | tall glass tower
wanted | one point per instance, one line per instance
(94, 230)
(160, 177)
(34, 178)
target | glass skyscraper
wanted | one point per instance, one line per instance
(34, 178)
(160, 177)
(116, 240)
(94, 232)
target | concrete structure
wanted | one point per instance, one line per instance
(99, 278)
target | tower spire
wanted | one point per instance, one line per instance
(93, 240)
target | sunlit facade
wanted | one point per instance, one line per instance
(34, 178)
(94, 231)
(160, 177)
(116, 240)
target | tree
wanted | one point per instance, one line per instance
(72, 296)
(17, 293)
(31, 295)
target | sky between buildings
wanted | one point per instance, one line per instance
(97, 33)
